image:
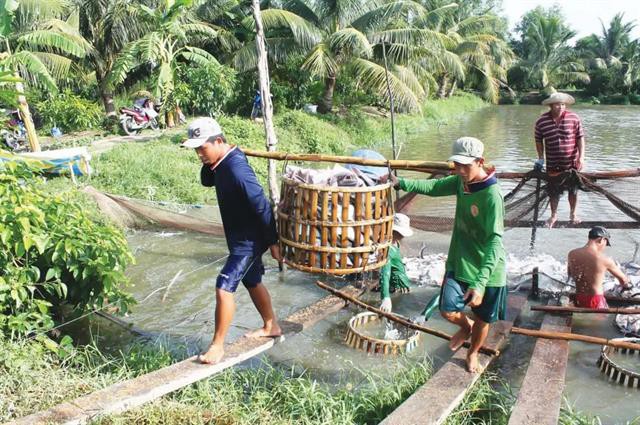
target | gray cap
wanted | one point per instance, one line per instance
(466, 149)
(600, 232)
(200, 130)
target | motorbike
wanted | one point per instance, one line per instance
(13, 132)
(142, 115)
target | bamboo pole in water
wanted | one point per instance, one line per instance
(569, 309)
(568, 336)
(399, 319)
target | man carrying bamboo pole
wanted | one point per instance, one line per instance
(587, 266)
(475, 267)
(249, 227)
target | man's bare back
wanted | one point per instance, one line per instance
(586, 267)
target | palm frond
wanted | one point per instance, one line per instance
(31, 66)
(304, 32)
(320, 62)
(54, 40)
(198, 56)
(374, 76)
(350, 40)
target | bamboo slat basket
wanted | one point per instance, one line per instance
(615, 372)
(356, 338)
(333, 229)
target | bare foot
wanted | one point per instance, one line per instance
(213, 355)
(460, 337)
(265, 331)
(472, 363)
(575, 220)
(552, 221)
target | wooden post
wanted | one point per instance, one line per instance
(536, 211)
(535, 283)
(392, 111)
(267, 107)
(23, 107)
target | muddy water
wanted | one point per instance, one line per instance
(186, 314)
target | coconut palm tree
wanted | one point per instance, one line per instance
(335, 36)
(606, 50)
(35, 45)
(549, 61)
(174, 31)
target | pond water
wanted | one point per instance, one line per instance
(182, 307)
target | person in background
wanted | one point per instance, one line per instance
(256, 110)
(475, 267)
(249, 227)
(393, 276)
(587, 266)
(560, 140)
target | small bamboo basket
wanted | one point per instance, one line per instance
(615, 372)
(335, 230)
(357, 339)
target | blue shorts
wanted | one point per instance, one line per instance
(246, 268)
(494, 301)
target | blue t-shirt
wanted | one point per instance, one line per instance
(247, 217)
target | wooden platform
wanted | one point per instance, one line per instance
(540, 396)
(135, 392)
(435, 400)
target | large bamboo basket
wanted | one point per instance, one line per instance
(318, 235)
(615, 372)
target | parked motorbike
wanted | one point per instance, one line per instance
(13, 132)
(142, 115)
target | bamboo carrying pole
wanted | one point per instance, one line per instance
(567, 336)
(401, 320)
(427, 166)
(431, 167)
(562, 309)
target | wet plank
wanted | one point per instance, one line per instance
(435, 400)
(540, 396)
(135, 392)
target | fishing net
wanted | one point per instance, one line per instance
(613, 200)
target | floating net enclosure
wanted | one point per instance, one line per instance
(334, 229)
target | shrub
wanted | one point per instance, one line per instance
(205, 90)
(70, 112)
(53, 254)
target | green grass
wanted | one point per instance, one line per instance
(32, 378)
(269, 395)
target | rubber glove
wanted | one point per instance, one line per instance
(539, 164)
(386, 305)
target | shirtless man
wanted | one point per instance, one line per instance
(586, 266)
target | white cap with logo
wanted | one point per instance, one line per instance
(200, 130)
(466, 149)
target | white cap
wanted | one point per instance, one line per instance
(401, 224)
(558, 97)
(200, 130)
(466, 149)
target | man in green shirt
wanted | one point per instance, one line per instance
(475, 267)
(393, 275)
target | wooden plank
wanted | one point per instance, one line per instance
(435, 400)
(540, 396)
(135, 392)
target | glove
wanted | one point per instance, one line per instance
(539, 164)
(386, 305)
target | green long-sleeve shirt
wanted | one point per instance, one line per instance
(393, 273)
(476, 254)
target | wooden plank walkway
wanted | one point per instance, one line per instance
(435, 400)
(540, 396)
(135, 392)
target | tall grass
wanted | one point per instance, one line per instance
(270, 395)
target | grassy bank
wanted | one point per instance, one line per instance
(160, 170)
